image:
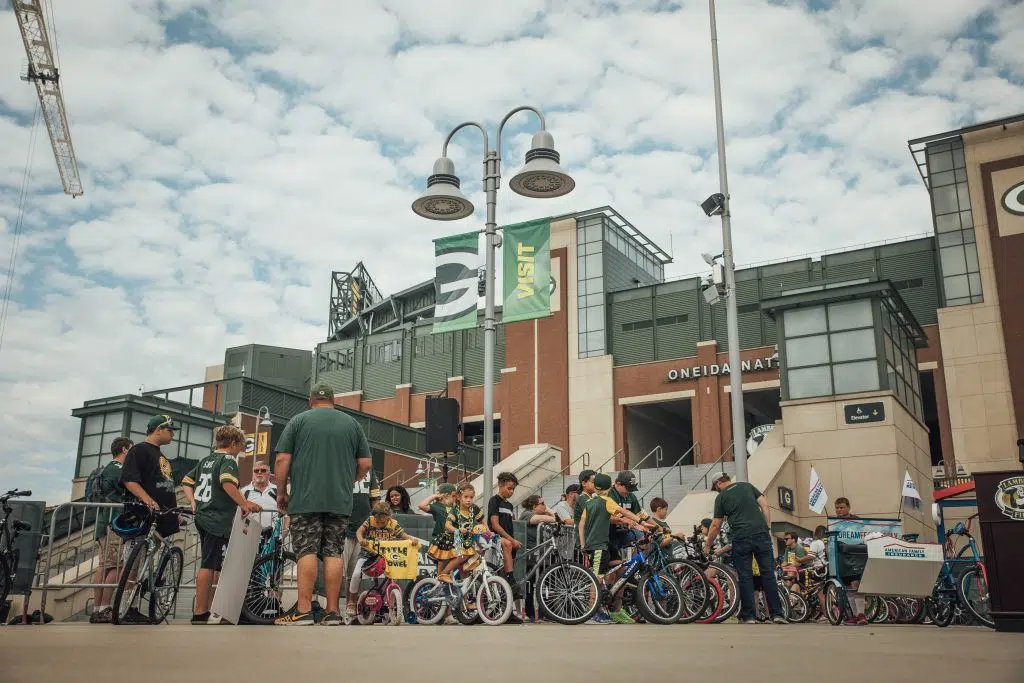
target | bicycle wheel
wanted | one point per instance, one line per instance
(165, 585)
(799, 611)
(264, 598)
(941, 609)
(368, 606)
(716, 600)
(694, 588)
(427, 601)
(972, 592)
(893, 615)
(876, 611)
(835, 608)
(568, 593)
(5, 579)
(494, 601)
(730, 586)
(128, 594)
(912, 610)
(659, 599)
(393, 600)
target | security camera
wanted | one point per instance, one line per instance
(710, 292)
(714, 205)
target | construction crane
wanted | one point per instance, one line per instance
(43, 72)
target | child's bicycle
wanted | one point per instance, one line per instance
(650, 588)
(382, 601)
(477, 592)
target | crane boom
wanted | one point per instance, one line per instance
(43, 72)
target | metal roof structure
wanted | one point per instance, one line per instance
(919, 145)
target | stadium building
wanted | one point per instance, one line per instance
(864, 363)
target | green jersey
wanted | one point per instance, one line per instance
(215, 509)
(324, 444)
(110, 480)
(739, 504)
(439, 511)
(581, 502)
(599, 511)
(364, 493)
(628, 502)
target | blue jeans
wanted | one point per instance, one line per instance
(760, 548)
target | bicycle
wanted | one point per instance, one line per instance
(430, 599)
(9, 531)
(264, 596)
(563, 589)
(722, 581)
(152, 570)
(382, 601)
(656, 595)
(971, 591)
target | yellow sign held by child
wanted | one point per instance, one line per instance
(403, 559)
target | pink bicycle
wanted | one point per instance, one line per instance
(382, 601)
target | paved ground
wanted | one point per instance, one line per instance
(196, 654)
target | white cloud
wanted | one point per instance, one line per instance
(234, 153)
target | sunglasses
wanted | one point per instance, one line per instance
(261, 471)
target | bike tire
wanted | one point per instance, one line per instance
(505, 600)
(834, 607)
(122, 582)
(6, 581)
(876, 610)
(671, 611)
(716, 600)
(799, 610)
(893, 616)
(587, 595)
(730, 585)
(363, 615)
(268, 566)
(422, 606)
(694, 587)
(941, 610)
(394, 602)
(168, 574)
(982, 616)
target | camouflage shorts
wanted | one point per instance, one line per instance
(318, 533)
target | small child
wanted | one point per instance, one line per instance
(379, 526)
(586, 492)
(463, 518)
(439, 506)
(595, 525)
(659, 506)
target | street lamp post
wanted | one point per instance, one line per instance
(739, 429)
(443, 201)
(262, 420)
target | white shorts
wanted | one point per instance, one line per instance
(351, 556)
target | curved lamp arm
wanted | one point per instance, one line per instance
(467, 124)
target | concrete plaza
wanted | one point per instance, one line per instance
(728, 652)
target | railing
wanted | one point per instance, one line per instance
(621, 451)
(657, 453)
(947, 482)
(708, 471)
(661, 480)
(398, 481)
(585, 457)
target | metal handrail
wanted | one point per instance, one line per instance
(600, 468)
(585, 457)
(661, 479)
(396, 472)
(658, 454)
(721, 458)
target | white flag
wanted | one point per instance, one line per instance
(817, 497)
(909, 489)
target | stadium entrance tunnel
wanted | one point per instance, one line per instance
(668, 424)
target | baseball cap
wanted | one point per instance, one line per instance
(602, 481)
(627, 479)
(322, 390)
(586, 474)
(572, 488)
(719, 476)
(158, 421)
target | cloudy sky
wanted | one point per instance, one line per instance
(233, 153)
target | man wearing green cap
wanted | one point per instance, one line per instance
(146, 473)
(322, 453)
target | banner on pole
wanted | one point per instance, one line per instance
(909, 488)
(526, 271)
(457, 263)
(817, 496)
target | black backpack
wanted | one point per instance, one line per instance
(95, 491)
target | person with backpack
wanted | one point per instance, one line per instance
(104, 486)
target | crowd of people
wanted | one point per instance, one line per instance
(329, 498)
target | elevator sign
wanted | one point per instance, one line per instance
(714, 370)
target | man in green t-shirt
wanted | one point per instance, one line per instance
(109, 544)
(749, 519)
(212, 490)
(623, 492)
(322, 453)
(365, 493)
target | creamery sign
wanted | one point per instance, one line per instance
(713, 370)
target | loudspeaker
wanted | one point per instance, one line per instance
(442, 418)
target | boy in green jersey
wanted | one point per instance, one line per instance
(212, 491)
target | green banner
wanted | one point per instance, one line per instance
(457, 262)
(527, 271)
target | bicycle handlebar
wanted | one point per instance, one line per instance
(15, 493)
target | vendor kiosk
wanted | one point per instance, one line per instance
(1001, 513)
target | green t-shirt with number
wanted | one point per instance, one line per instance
(324, 444)
(215, 510)
(364, 492)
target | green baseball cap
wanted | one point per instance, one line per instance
(158, 421)
(586, 474)
(322, 390)
(602, 482)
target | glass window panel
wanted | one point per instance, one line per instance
(806, 351)
(956, 287)
(104, 459)
(114, 422)
(193, 452)
(974, 280)
(170, 451)
(92, 445)
(583, 319)
(966, 219)
(960, 301)
(595, 341)
(960, 175)
(889, 354)
(801, 321)
(848, 315)
(947, 223)
(595, 267)
(94, 424)
(853, 377)
(594, 232)
(963, 195)
(809, 382)
(853, 345)
(595, 318)
(87, 465)
(581, 234)
(594, 285)
(139, 421)
(201, 436)
(953, 260)
(136, 437)
(944, 199)
(581, 268)
(940, 179)
(891, 375)
(583, 342)
(886, 320)
(950, 239)
(939, 161)
(958, 157)
(971, 254)
(968, 236)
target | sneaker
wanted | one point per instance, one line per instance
(102, 616)
(601, 618)
(134, 616)
(779, 619)
(332, 619)
(621, 616)
(445, 578)
(748, 621)
(450, 621)
(201, 619)
(350, 609)
(852, 621)
(296, 619)
(514, 619)
(862, 620)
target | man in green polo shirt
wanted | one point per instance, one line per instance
(110, 545)
(322, 453)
